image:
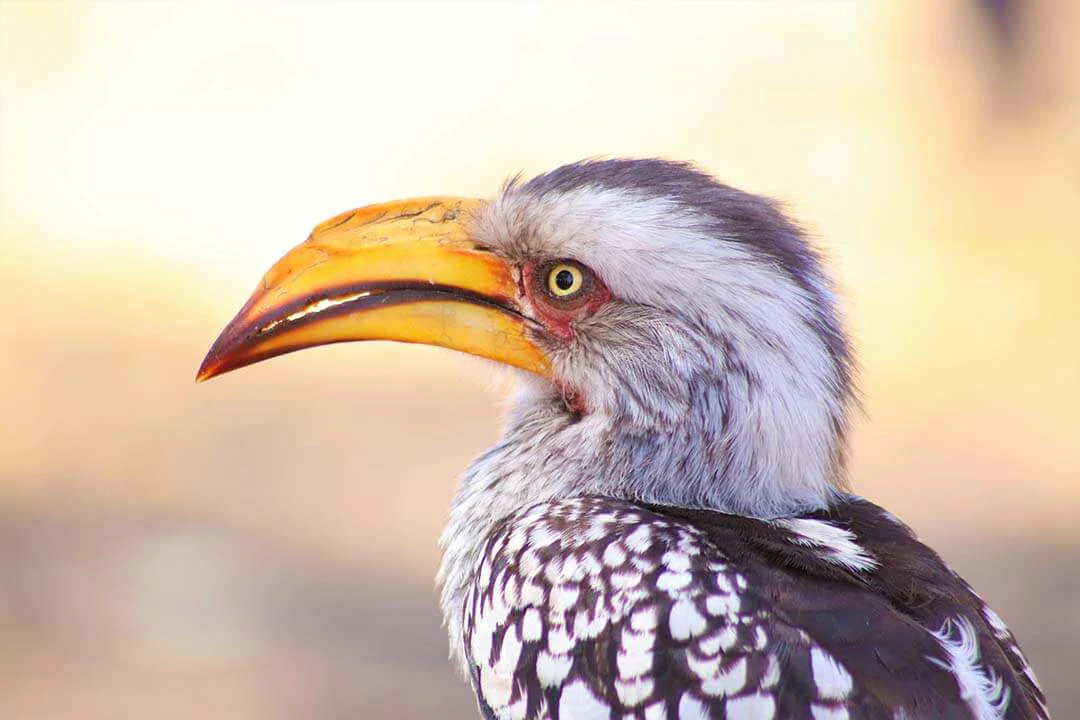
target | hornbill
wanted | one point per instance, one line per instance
(664, 529)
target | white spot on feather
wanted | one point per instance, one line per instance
(563, 596)
(638, 642)
(772, 673)
(625, 579)
(517, 539)
(832, 680)
(531, 626)
(530, 563)
(481, 642)
(723, 584)
(685, 621)
(551, 670)
(722, 604)
(510, 590)
(980, 688)
(839, 545)
(553, 570)
(633, 663)
(559, 641)
(656, 711)
(825, 712)
(761, 638)
(578, 702)
(751, 707)
(590, 566)
(634, 692)
(485, 574)
(1001, 630)
(639, 540)
(509, 652)
(516, 710)
(542, 536)
(670, 582)
(532, 594)
(723, 639)
(614, 555)
(644, 619)
(588, 626)
(690, 708)
(727, 682)
(496, 686)
(570, 568)
(677, 561)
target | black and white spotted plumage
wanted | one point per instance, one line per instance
(591, 608)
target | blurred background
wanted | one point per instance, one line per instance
(264, 546)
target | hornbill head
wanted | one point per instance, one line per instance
(678, 339)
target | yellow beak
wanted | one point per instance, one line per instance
(404, 271)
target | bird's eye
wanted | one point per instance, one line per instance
(564, 280)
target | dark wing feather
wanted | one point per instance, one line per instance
(596, 608)
(909, 593)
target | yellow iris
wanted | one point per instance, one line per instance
(565, 281)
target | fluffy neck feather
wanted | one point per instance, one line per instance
(716, 446)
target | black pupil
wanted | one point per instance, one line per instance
(564, 279)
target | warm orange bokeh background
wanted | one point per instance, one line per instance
(263, 546)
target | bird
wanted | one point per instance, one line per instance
(665, 528)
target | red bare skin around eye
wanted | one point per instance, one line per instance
(558, 318)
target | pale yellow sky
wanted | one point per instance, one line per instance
(184, 146)
(217, 134)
